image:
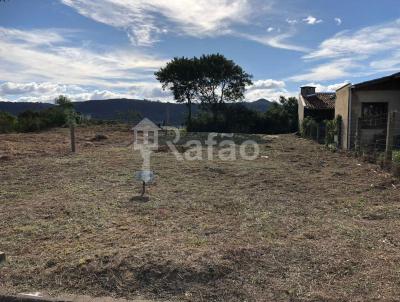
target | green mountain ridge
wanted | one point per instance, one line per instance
(124, 109)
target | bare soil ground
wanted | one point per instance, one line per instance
(299, 223)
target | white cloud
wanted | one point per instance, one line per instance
(12, 88)
(36, 66)
(367, 51)
(75, 97)
(367, 41)
(292, 21)
(389, 64)
(268, 89)
(312, 20)
(145, 21)
(48, 60)
(338, 21)
(33, 37)
(142, 18)
(47, 92)
(276, 41)
(150, 90)
(268, 84)
(327, 88)
(328, 71)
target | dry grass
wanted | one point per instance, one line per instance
(303, 224)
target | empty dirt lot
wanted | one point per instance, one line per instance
(299, 223)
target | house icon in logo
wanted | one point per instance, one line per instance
(146, 134)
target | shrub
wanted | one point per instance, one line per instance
(309, 127)
(233, 118)
(332, 129)
(29, 121)
(396, 157)
(8, 122)
(279, 118)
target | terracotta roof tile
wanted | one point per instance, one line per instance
(320, 100)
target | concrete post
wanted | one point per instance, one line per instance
(358, 135)
(390, 137)
(2, 257)
(72, 132)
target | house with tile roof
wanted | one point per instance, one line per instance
(318, 105)
(369, 102)
(364, 105)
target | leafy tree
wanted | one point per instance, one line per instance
(277, 119)
(290, 107)
(181, 77)
(64, 102)
(220, 81)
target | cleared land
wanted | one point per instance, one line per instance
(303, 224)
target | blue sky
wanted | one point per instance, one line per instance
(110, 48)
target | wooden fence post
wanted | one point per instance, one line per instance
(72, 132)
(358, 135)
(390, 137)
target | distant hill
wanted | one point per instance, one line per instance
(17, 107)
(123, 109)
(260, 105)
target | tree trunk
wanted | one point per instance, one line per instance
(215, 116)
(189, 119)
(72, 133)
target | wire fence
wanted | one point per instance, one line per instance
(373, 133)
(376, 137)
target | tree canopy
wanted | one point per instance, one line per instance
(64, 102)
(220, 81)
(211, 80)
(181, 77)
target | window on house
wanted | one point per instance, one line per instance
(374, 115)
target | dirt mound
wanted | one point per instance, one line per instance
(99, 137)
(165, 149)
(5, 157)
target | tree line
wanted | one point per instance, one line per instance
(215, 83)
(31, 121)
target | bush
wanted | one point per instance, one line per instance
(396, 157)
(233, 119)
(309, 127)
(31, 121)
(237, 118)
(8, 122)
(332, 129)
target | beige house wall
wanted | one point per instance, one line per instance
(342, 109)
(346, 96)
(301, 110)
(392, 97)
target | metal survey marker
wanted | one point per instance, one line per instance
(145, 177)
